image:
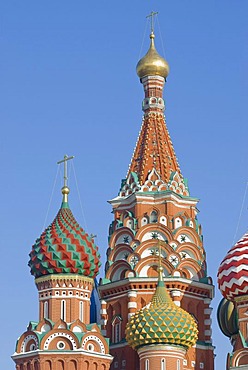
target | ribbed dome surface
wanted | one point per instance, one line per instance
(64, 247)
(162, 323)
(227, 318)
(233, 270)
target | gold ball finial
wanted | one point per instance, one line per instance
(65, 190)
(152, 64)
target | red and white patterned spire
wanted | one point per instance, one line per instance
(154, 152)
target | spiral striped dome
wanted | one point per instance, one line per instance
(233, 271)
(64, 247)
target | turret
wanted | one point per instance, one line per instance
(64, 261)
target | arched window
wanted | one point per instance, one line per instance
(117, 332)
(178, 222)
(116, 329)
(147, 365)
(163, 220)
(130, 224)
(45, 310)
(154, 217)
(60, 365)
(63, 310)
(178, 365)
(48, 365)
(144, 221)
(163, 364)
(81, 311)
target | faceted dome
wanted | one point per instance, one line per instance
(227, 318)
(64, 247)
(233, 270)
(152, 64)
(162, 323)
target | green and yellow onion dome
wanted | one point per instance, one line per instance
(162, 323)
(64, 247)
(152, 64)
(227, 318)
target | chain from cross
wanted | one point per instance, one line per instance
(152, 15)
(65, 160)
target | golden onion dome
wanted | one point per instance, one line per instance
(161, 323)
(152, 64)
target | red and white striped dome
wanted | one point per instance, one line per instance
(233, 271)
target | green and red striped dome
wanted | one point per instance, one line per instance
(64, 247)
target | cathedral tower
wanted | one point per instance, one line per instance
(64, 261)
(154, 207)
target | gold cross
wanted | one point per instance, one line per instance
(66, 158)
(152, 15)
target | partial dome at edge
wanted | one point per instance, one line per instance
(227, 318)
(233, 271)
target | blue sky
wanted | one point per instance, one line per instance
(69, 86)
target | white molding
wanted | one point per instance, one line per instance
(49, 353)
(177, 303)
(207, 301)
(208, 333)
(132, 305)
(132, 293)
(208, 311)
(208, 322)
(145, 280)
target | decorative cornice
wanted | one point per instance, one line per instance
(77, 352)
(126, 284)
(56, 277)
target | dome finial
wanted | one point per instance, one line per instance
(152, 15)
(65, 190)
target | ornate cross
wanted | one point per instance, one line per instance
(152, 15)
(66, 158)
